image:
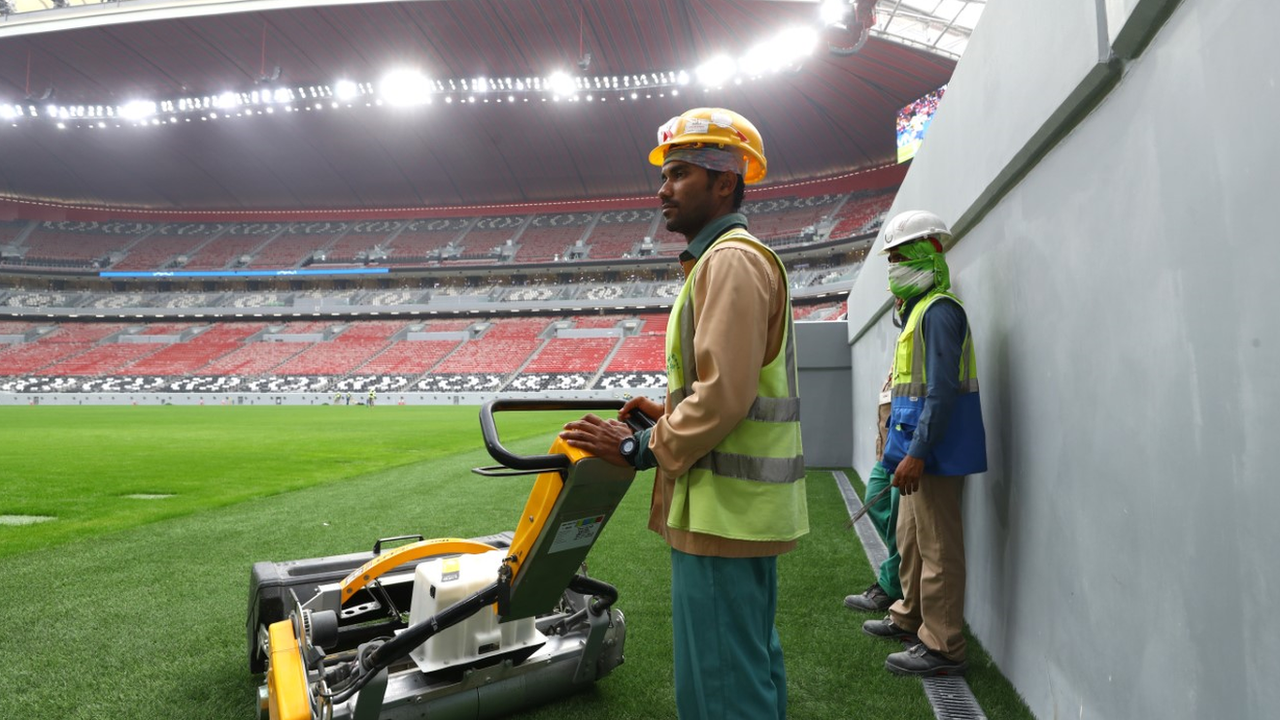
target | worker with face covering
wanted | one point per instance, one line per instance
(935, 438)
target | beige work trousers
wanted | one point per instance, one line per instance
(931, 543)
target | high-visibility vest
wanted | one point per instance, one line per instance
(751, 485)
(962, 450)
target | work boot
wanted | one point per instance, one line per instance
(874, 599)
(920, 661)
(885, 629)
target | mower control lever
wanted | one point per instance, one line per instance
(637, 421)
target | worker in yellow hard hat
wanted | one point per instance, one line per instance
(729, 492)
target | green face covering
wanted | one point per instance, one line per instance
(924, 269)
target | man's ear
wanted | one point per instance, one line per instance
(726, 183)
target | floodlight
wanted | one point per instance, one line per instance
(7, 112)
(405, 87)
(716, 71)
(561, 84)
(345, 89)
(138, 109)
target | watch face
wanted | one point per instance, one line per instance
(628, 447)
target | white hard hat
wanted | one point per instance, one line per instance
(912, 225)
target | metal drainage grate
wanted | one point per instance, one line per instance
(148, 496)
(24, 519)
(951, 698)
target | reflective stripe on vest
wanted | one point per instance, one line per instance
(751, 485)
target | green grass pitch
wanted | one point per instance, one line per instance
(135, 608)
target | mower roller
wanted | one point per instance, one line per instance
(450, 628)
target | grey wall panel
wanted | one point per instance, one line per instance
(1024, 60)
(823, 358)
(1122, 545)
(872, 357)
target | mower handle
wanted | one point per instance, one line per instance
(558, 461)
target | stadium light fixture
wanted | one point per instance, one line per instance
(560, 84)
(227, 100)
(138, 109)
(406, 88)
(716, 71)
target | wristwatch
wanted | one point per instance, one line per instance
(628, 448)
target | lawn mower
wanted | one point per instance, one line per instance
(450, 628)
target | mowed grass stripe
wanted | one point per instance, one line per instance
(80, 464)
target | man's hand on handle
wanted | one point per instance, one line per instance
(598, 436)
(653, 409)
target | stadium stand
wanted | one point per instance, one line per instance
(361, 242)
(71, 244)
(640, 360)
(253, 359)
(182, 358)
(237, 241)
(424, 240)
(862, 213)
(168, 247)
(484, 363)
(488, 236)
(548, 238)
(353, 347)
(11, 230)
(298, 243)
(784, 221)
(101, 360)
(564, 363)
(617, 233)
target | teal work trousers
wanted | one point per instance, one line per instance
(728, 658)
(884, 517)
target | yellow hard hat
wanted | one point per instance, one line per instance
(714, 126)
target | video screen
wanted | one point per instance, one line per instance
(913, 121)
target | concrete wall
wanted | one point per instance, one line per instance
(1115, 254)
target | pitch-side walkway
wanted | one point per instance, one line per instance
(950, 696)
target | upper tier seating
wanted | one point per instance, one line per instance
(10, 230)
(618, 232)
(161, 249)
(298, 243)
(420, 238)
(360, 241)
(549, 237)
(862, 213)
(488, 234)
(79, 244)
(785, 219)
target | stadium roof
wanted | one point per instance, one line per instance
(829, 115)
